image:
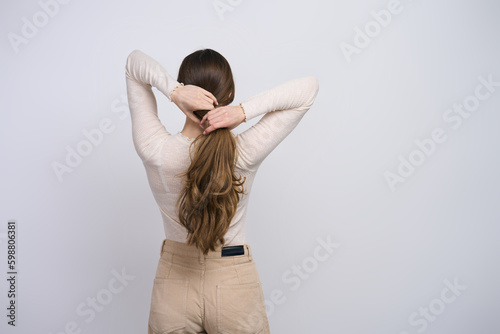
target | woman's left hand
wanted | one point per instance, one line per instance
(223, 117)
(189, 98)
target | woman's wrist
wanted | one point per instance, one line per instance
(172, 96)
(243, 113)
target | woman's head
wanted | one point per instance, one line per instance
(209, 70)
(211, 188)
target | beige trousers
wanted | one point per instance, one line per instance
(196, 293)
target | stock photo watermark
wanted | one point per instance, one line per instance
(363, 37)
(92, 138)
(89, 308)
(223, 6)
(293, 277)
(454, 116)
(421, 318)
(298, 273)
(12, 272)
(32, 25)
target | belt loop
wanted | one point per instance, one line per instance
(162, 244)
(249, 252)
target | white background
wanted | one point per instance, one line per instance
(397, 246)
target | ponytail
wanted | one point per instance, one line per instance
(211, 190)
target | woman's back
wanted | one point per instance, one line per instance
(166, 155)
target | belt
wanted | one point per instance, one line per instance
(184, 249)
(232, 250)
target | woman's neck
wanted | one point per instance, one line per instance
(191, 129)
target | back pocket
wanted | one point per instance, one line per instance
(168, 306)
(240, 309)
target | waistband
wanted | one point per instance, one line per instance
(185, 250)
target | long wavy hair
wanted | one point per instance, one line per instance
(211, 190)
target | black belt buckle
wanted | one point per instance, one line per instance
(233, 250)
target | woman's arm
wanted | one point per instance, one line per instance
(143, 73)
(283, 106)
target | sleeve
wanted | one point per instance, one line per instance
(283, 106)
(142, 73)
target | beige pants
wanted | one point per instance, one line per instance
(196, 293)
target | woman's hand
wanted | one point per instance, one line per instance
(223, 117)
(189, 98)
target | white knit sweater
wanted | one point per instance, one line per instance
(164, 155)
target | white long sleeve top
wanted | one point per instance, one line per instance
(164, 154)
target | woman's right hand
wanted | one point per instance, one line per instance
(189, 98)
(223, 117)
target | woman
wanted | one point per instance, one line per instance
(206, 280)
